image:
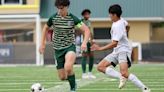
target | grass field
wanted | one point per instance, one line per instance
(19, 79)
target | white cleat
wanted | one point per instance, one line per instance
(146, 90)
(91, 76)
(85, 76)
(122, 82)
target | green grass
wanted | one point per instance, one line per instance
(19, 79)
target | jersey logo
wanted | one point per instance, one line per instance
(70, 23)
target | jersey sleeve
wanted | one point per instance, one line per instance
(126, 23)
(77, 21)
(117, 33)
(49, 22)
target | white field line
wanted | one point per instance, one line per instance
(99, 89)
(96, 89)
(151, 75)
(61, 83)
(80, 83)
(49, 81)
(3, 90)
(18, 83)
(105, 89)
(27, 80)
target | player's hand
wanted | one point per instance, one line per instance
(84, 46)
(95, 47)
(92, 42)
(41, 49)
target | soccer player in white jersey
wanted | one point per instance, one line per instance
(121, 52)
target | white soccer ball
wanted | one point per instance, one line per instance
(37, 87)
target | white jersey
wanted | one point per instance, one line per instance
(118, 33)
(124, 21)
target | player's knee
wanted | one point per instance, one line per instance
(124, 74)
(69, 70)
(100, 68)
(62, 78)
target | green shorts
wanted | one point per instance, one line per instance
(88, 48)
(60, 56)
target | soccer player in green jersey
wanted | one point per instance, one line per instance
(63, 24)
(88, 53)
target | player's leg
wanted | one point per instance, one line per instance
(138, 83)
(69, 62)
(62, 74)
(124, 73)
(91, 64)
(126, 76)
(91, 61)
(105, 66)
(60, 60)
(83, 65)
(123, 60)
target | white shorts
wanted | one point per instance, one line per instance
(119, 58)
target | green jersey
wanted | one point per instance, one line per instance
(63, 30)
(87, 22)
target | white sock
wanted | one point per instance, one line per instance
(112, 73)
(136, 81)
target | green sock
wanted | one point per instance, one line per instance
(91, 62)
(84, 58)
(72, 82)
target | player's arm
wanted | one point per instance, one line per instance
(91, 36)
(106, 47)
(116, 36)
(127, 30)
(85, 30)
(43, 38)
(87, 34)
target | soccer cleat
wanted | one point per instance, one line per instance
(146, 90)
(122, 82)
(91, 76)
(85, 76)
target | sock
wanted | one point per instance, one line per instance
(112, 73)
(136, 81)
(72, 82)
(91, 63)
(84, 58)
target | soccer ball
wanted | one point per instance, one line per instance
(37, 87)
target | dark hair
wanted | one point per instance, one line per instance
(85, 11)
(115, 9)
(62, 3)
